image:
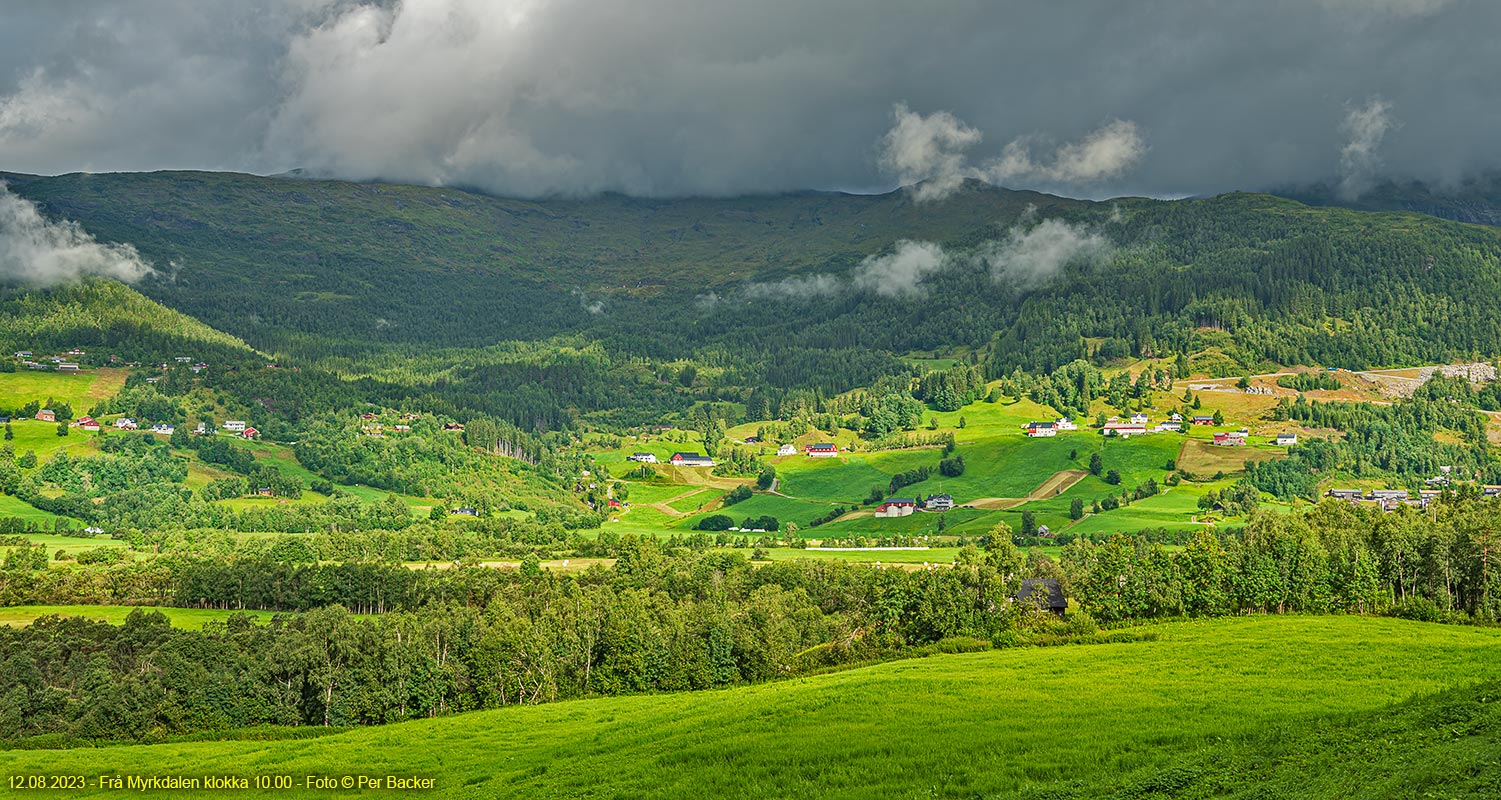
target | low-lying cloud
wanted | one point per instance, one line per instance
(900, 273)
(1106, 152)
(928, 154)
(1360, 159)
(1029, 257)
(796, 287)
(1026, 257)
(595, 307)
(38, 252)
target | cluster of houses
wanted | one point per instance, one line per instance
(905, 506)
(1137, 424)
(816, 450)
(1039, 429)
(88, 423)
(239, 426)
(67, 362)
(60, 363)
(1239, 439)
(1232, 439)
(1140, 424)
(1389, 499)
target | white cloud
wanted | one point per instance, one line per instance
(1106, 152)
(35, 251)
(795, 288)
(928, 154)
(1029, 257)
(901, 272)
(1359, 159)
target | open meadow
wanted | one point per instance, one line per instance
(193, 618)
(1076, 721)
(81, 390)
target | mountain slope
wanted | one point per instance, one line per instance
(1476, 200)
(1071, 721)
(369, 275)
(106, 314)
(380, 262)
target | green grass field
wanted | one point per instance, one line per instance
(81, 390)
(695, 501)
(13, 507)
(192, 618)
(784, 509)
(1076, 721)
(71, 544)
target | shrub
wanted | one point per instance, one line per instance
(1420, 609)
(716, 522)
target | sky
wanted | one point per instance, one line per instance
(1089, 98)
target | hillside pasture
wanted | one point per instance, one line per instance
(1203, 459)
(950, 726)
(15, 507)
(80, 390)
(71, 544)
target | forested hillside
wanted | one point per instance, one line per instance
(105, 314)
(306, 266)
(620, 310)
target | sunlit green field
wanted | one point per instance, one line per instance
(192, 618)
(12, 507)
(81, 390)
(71, 544)
(1075, 721)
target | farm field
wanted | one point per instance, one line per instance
(944, 726)
(71, 544)
(784, 509)
(193, 618)
(41, 438)
(81, 390)
(1203, 458)
(13, 507)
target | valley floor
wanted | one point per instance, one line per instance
(1076, 721)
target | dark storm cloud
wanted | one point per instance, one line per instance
(665, 97)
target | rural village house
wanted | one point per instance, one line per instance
(822, 450)
(939, 502)
(692, 460)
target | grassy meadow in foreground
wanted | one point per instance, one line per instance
(1063, 721)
